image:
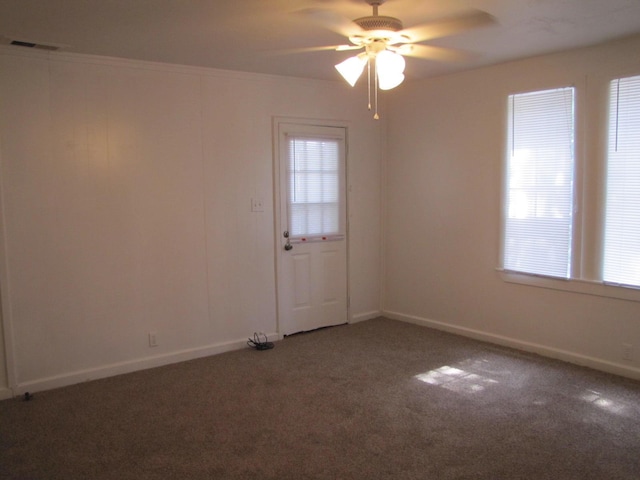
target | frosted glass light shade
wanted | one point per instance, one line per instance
(389, 80)
(390, 62)
(389, 67)
(352, 68)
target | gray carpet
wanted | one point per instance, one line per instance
(375, 400)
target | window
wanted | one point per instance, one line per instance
(621, 263)
(314, 186)
(539, 183)
(568, 217)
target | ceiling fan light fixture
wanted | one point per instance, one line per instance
(389, 80)
(389, 67)
(352, 68)
(385, 41)
(391, 62)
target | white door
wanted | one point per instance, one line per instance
(312, 220)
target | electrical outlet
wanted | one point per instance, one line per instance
(627, 351)
(153, 339)
(257, 205)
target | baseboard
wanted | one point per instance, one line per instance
(120, 368)
(361, 317)
(6, 393)
(545, 351)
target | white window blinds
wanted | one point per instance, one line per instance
(622, 222)
(314, 186)
(539, 183)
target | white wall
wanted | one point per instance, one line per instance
(443, 194)
(126, 190)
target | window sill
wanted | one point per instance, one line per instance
(585, 287)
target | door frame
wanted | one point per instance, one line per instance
(277, 121)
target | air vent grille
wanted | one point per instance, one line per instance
(40, 46)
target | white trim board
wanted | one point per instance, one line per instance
(361, 317)
(120, 368)
(550, 352)
(5, 393)
(108, 61)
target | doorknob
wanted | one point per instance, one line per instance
(287, 245)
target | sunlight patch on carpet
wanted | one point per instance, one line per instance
(456, 379)
(597, 399)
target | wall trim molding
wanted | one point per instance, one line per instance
(130, 366)
(6, 393)
(550, 352)
(361, 317)
(164, 67)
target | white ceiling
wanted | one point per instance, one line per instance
(258, 35)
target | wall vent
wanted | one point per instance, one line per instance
(40, 46)
(30, 43)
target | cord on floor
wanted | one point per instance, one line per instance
(260, 342)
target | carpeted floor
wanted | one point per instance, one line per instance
(375, 400)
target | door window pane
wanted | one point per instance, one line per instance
(314, 186)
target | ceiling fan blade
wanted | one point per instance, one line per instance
(449, 26)
(342, 48)
(429, 52)
(332, 21)
(323, 48)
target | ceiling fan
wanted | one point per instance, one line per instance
(385, 42)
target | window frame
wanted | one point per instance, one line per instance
(319, 136)
(607, 166)
(506, 186)
(591, 112)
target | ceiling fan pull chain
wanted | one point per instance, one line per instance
(369, 81)
(375, 116)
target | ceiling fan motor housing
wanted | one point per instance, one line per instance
(379, 22)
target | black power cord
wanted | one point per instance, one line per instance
(258, 342)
